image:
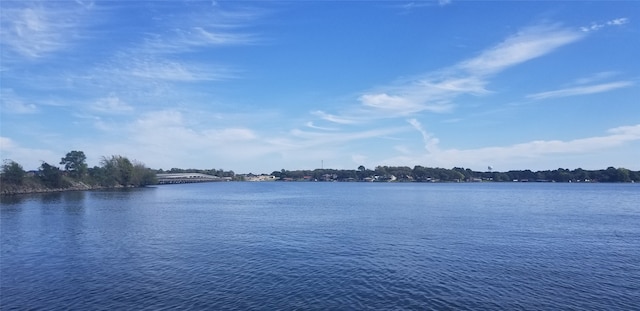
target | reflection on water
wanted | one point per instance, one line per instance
(52, 197)
(45, 198)
(12, 199)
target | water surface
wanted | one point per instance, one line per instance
(324, 246)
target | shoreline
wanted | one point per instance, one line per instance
(77, 187)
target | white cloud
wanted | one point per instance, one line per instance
(436, 91)
(86, 4)
(528, 154)
(402, 149)
(386, 102)
(359, 159)
(12, 103)
(315, 127)
(629, 132)
(526, 45)
(169, 70)
(152, 68)
(29, 158)
(618, 21)
(421, 4)
(230, 135)
(310, 139)
(470, 85)
(581, 90)
(195, 38)
(616, 137)
(112, 105)
(598, 26)
(335, 119)
(596, 77)
(183, 132)
(36, 30)
(202, 29)
(182, 139)
(158, 120)
(430, 142)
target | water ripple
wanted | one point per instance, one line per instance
(237, 246)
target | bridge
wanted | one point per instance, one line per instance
(185, 178)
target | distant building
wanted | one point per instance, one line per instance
(252, 177)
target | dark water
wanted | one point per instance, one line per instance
(325, 246)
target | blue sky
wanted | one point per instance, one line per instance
(258, 86)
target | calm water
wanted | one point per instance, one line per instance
(325, 246)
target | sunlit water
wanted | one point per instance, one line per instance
(324, 246)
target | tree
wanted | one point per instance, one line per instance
(51, 176)
(580, 174)
(623, 175)
(119, 170)
(126, 171)
(98, 175)
(74, 163)
(611, 174)
(362, 172)
(12, 172)
(142, 175)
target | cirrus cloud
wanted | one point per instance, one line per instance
(581, 90)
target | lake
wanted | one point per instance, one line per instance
(324, 246)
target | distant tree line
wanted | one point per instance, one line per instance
(459, 174)
(119, 171)
(114, 171)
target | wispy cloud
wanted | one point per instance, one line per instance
(308, 139)
(200, 29)
(111, 105)
(175, 137)
(152, 131)
(430, 142)
(581, 90)
(335, 119)
(526, 152)
(315, 127)
(161, 56)
(597, 77)
(173, 70)
(435, 91)
(195, 38)
(412, 5)
(147, 68)
(12, 103)
(400, 104)
(530, 43)
(598, 26)
(615, 137)
(29, 158)
(87, 4)
(33, 30)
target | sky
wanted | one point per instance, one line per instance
(260, 86)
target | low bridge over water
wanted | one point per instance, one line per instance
(185, 178)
